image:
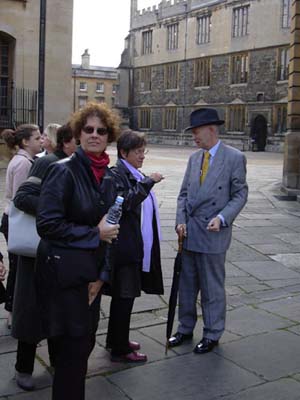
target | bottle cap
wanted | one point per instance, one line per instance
(119, 199)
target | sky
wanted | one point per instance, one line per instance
(101, 27)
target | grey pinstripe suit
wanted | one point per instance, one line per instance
(224, 191)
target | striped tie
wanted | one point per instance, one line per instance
(205, 166)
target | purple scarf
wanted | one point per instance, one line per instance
(148, 206)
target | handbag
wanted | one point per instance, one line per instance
(23, 238)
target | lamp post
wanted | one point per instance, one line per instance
(42, 45)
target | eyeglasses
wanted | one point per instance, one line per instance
(90, 129)
(140, 152)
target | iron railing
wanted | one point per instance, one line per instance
(17, 106)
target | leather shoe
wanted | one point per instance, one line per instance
(133, 357)
(205, 345)
(24, 381)
(179, 338)
(135, 346)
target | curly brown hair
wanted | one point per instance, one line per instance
(108, 117)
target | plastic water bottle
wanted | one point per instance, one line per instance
(115, 212)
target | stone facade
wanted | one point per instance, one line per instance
(19, 41)
(247, 64)
(93, 83)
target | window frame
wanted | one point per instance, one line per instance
(102, 86)
(203, 29)
(239, 68)
(145, 79)
(173, 36)
(286, 17)
(240, 21)
(170, 116)
(144, 118)
(236, 118)
(147, 42)
(202, 72)
(171, 76)
(81, 83)
(283, 59)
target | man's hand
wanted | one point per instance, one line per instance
(108, 232)
(94, 288)
(2, 271)
(214, 225)
(181, 229)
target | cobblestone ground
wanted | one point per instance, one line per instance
(258, 357)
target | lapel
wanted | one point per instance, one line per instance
(212, 175)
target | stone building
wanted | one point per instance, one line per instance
(229, 54)
(35, 70)
(93, 83)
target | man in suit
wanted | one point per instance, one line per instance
(213, 192)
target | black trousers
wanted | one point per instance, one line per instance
(26, 355)
(13, 262)
(71, 362)
(119, 325)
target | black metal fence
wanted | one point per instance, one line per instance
(17, 106)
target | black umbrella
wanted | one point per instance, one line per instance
(174, 291)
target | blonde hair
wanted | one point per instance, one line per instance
(51, 131)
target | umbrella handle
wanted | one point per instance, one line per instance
(180, 241)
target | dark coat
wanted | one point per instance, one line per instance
(70, 208)
(26, 324)
(2, 288)
(128, 278)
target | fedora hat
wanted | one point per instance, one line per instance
(202, 117)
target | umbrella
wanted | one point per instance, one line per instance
(174, 291)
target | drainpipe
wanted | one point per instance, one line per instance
(42, 45)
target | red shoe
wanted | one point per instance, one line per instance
(133, 357)
(135, 346)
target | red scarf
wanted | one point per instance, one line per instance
(98, 164)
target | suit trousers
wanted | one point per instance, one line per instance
(205, 273)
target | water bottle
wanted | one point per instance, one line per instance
(115, 212)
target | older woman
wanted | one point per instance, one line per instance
(48, 139)
(137, 250)
(75, 197)
(26, 142)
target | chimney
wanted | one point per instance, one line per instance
(85, 59)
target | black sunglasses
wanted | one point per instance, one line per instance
(90, 129)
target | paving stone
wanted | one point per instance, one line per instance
(275, 248)
(240, 252)
(271, 356)
(246, 321)
(265, 270)
(287, 307)
(8, 385)
(283, 389)
(7, 344)
(38, 394)
(293, 238)
(218, 377)
(289, 260)
(100, 388)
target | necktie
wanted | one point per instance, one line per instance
(205, 166)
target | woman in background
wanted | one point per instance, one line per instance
(26, 142)
(48, 139)
(26, 324)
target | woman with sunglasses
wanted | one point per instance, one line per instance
(75, 197)
(137, 251)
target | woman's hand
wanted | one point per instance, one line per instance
(156, 177)
(2, 271)
(94, 289)
(108, 232)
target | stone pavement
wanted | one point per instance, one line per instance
(259, 354)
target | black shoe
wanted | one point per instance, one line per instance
(205, 346)
(179, 338)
